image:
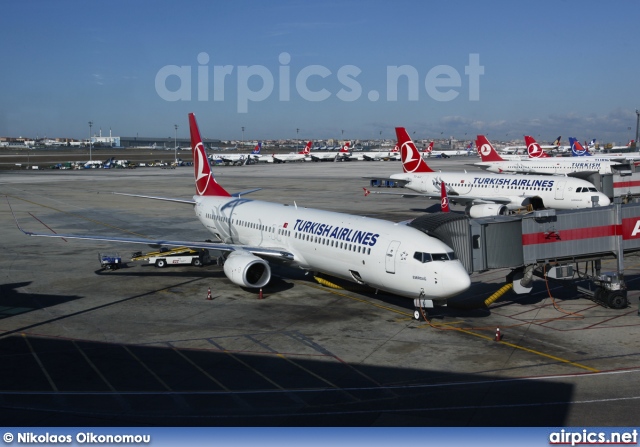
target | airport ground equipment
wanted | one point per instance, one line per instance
(174, 256)
(567, 246)
(110, 261)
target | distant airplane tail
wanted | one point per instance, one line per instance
(577, 150)
(557, 142)
(206, 185)
(412, 161)
(444, 198)
(486, 150)
(396, 149)
(428, 149)
(345, 147)
(256, 150)
(307, 149)
(533, 148)
(592, 144)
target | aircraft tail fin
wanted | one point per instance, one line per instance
(307, 148)
(486, 150)
(257, 149)
(412, 160)
(533, 148)
(429, 148)
(206, 185)
(444, 198)
(577, 150)
(345, 147)
(558, 141)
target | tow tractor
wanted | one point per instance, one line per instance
(174, 256)
(110, 261)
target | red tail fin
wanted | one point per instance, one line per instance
(486, 150)
(206, 185)
(307, 148)
(533, 148)
(345, 147)
(411, 159)
(396, 149)
(429, 148)
(444, 199)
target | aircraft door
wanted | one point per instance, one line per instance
(559, 189)
(390, 258)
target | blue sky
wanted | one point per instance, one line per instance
(549, 68)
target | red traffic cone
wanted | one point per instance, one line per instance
(498, 334)
(209, 294)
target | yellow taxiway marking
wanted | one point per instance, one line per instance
(511, 345)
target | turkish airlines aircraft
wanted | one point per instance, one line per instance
(393, 257)
(393, 154)
(303, 155)
(341, 155)
(431, 153)
(493, 162)
(515, 149)
(491, 194)
(238, 158)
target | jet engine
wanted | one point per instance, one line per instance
(247, 270)
(486, 210)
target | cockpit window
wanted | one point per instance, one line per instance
(452, 256)
(440, 256)
(422, 257)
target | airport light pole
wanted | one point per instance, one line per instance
(90, 124)
(175, 145)
(637, 125)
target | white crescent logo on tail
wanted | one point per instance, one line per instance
(444, 203)
(534, 150)
(580, 151)
(411, 158)
(201, 159)
(485, 150)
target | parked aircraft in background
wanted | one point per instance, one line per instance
(577, 150)
(395, 258)
(303, 155)
(431, 153)
(393, 154)
(557, 144)
(491, 194)
(233, 158)
(493, 162)
(342, 155)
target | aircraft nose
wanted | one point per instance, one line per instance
(457, 281)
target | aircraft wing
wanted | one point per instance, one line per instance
(185, 201)
(453, 197)
(258, 251)
(274, 252)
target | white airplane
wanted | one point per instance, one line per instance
(493, 162)
(393, 154)
(343, 154)
(517, 149)
(233, 158)
(430, 153)
(491, 194)
(577, 150)
(393, 257)
(303, 155)
(617, 148)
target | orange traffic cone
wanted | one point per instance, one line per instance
(209, 294)
(498, 334)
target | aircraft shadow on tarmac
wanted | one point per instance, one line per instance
(13, 302)
(55, 382)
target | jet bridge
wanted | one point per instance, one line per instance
(546, 243)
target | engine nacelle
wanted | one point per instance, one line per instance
(486, 210)
(247, 270)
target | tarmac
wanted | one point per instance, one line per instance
(143, 346)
